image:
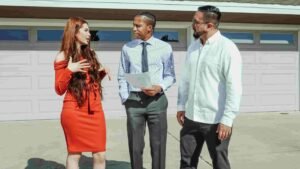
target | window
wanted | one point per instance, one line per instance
(14, 34)
(277, 38)
(111, 36)
(262, 40)
(240, 37)
(49, 35)
(167, 36)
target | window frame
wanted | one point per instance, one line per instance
(240, 31)
(15, 44)
(293, 46)
(182, 37)
(257, 46)
(16, 28)
(112, 29)
(36, 29)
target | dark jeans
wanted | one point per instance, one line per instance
(192, 137)
(151, 110)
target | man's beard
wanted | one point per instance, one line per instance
(196, 35)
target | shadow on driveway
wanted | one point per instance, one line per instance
(84, 163)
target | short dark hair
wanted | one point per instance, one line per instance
(211, 14)
(149, 17)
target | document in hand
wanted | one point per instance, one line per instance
(139, 80)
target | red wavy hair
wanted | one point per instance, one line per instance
(77, 83)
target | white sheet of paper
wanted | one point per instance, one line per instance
(140, 80)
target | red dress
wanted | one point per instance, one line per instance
(84, 127)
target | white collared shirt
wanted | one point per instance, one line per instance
(160, 63)
(210, 87)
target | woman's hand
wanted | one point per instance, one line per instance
(78, 66)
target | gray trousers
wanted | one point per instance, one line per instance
(151, 110)
(192, 137)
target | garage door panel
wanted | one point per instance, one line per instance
(270, 67)
(15, 58)
(270, 81)
(15, 106)
(249, 100)
(45, 70)
(112, 104)
(110, 92)
(249, 59)
(46, 57)
(15, 92)
(50, 105)
(278, 79)
(267, 109)
(19, 93)
(249, 79)
(275, 88)
(110, 83)
(109, 57)
(30, 70)
(278, 57)
(15, 82)
(271, 102)
(112, 67)
(283, 67)
(269, 88)
(277, 99)
(46, 82)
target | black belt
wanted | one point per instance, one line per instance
(140, 93)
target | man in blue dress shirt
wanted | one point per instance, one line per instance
(147, 105)
(209, 92)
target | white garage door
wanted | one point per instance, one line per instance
(27, 85)
(270, 81)
(27, 74)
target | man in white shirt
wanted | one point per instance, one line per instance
(209, 92)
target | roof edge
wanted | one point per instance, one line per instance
(231, 7)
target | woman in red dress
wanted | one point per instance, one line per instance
(78, 74)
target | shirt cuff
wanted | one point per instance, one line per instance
(227, 121)
(124, 98)
(123, 101)
(163, 88)
(180, 108)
